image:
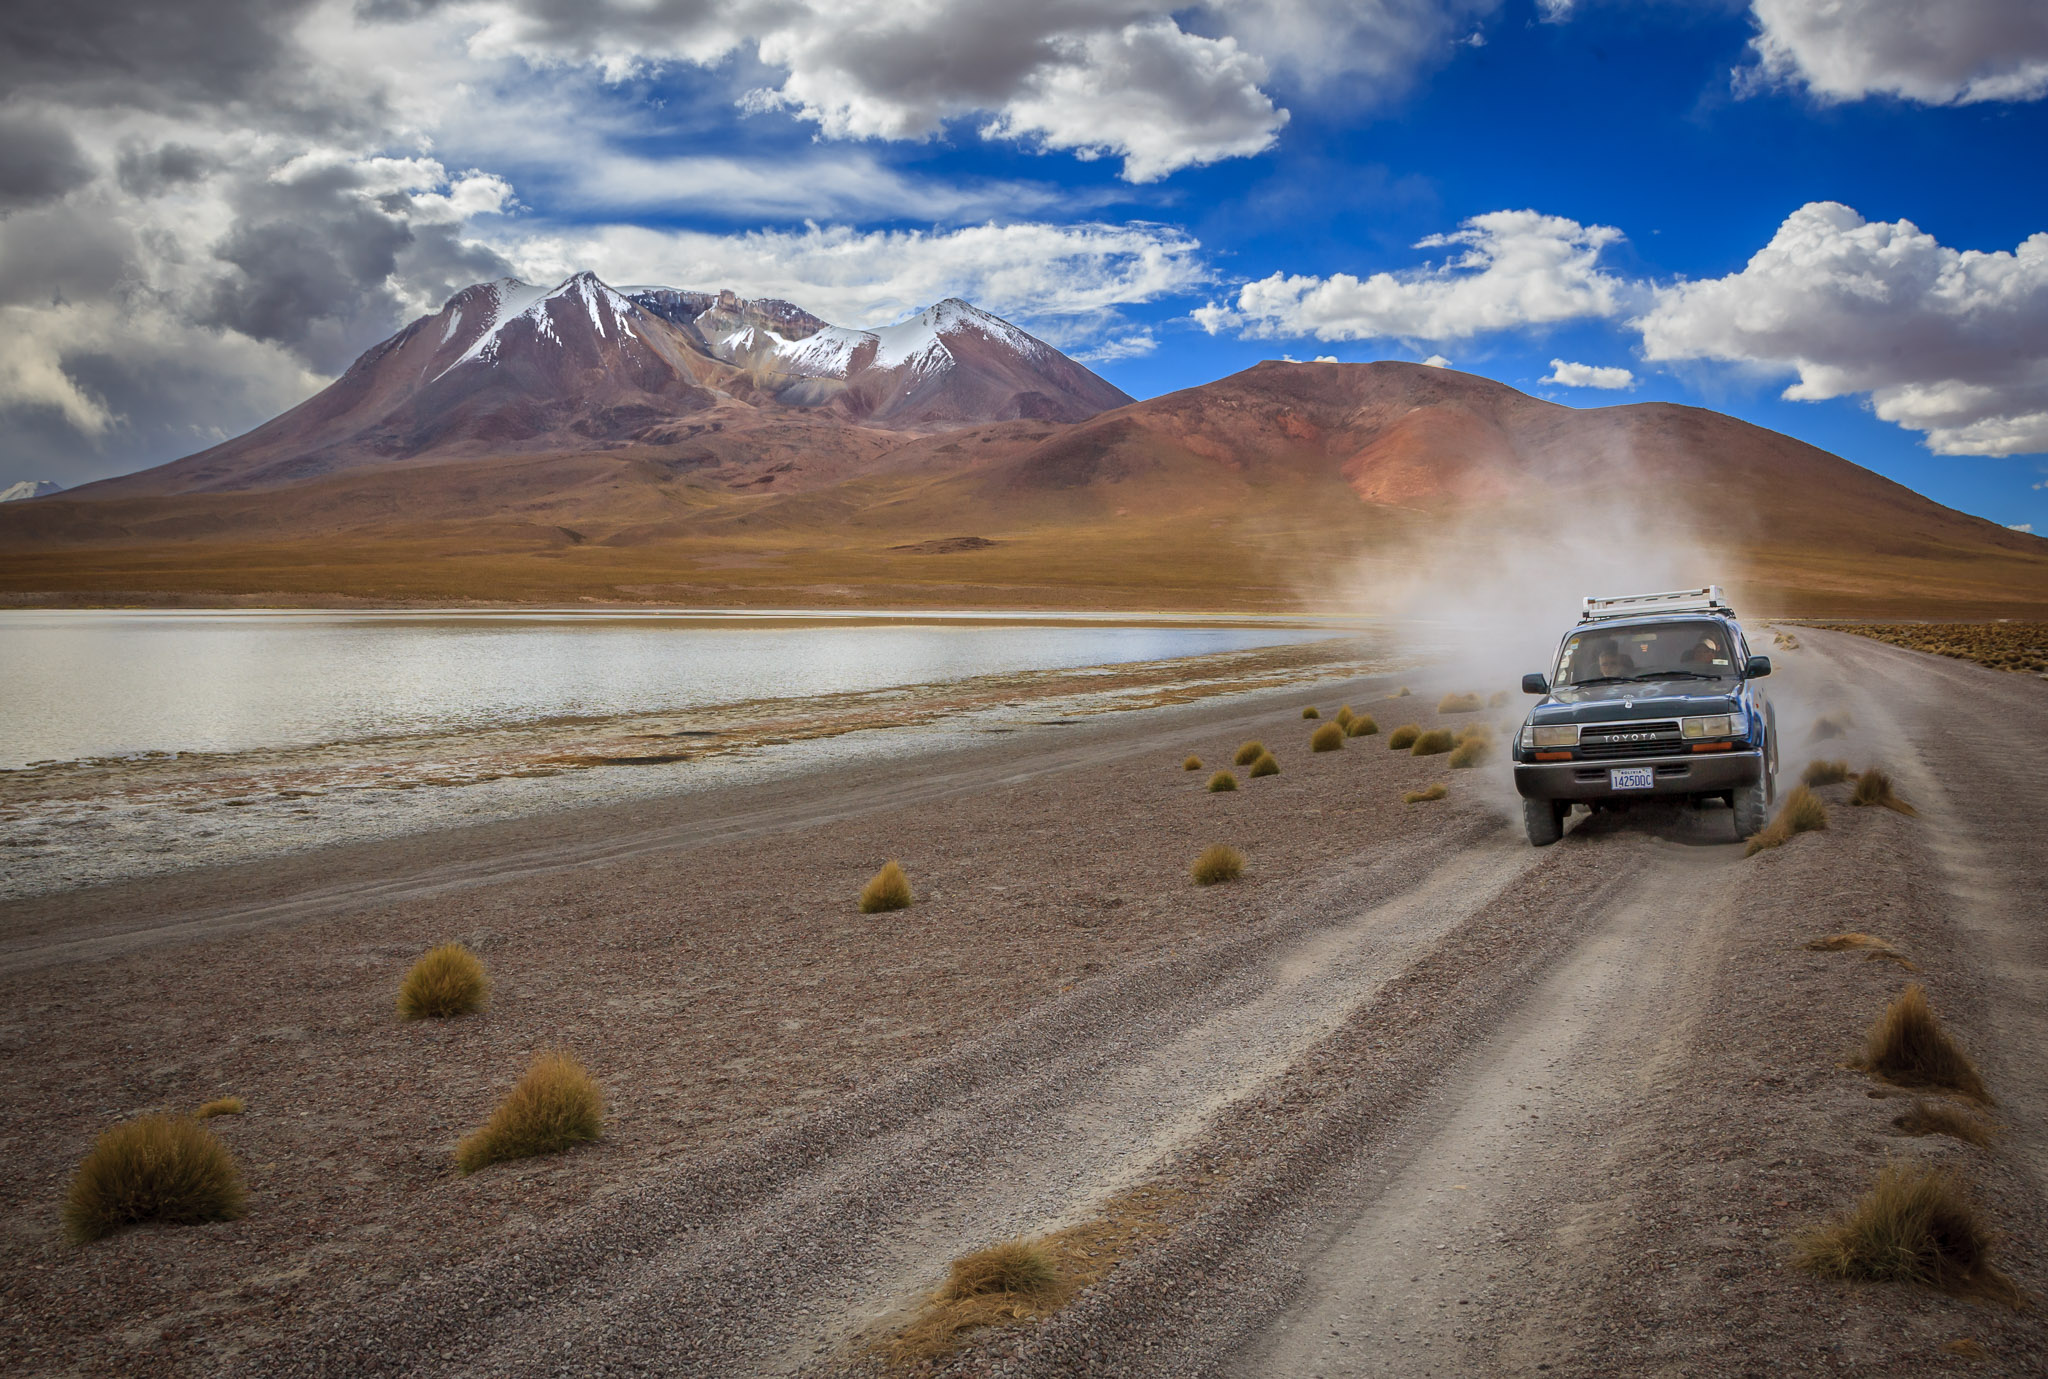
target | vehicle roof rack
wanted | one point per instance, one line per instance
(1707, 600)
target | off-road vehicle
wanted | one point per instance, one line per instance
(1650, 695)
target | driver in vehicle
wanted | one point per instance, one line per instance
(1704, 653)
(1613, 661)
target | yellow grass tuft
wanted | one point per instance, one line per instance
(1328, 738)
(1917, 1225)
(1941, 1118)
(1222, 780)
(1191, 764)
(1365, 725)
(1433, 743)
(1470, 752)
(887, 889)
(1220, 862)
(554, 1106)
(1014, 1281)
(1819, 773)
(221, 1106)
(1874, 949)
(1459, 703)
(1402, 693)
(1265, 766)
(1247, 753)
(445, 982)
(1802, 812)
(1403, 737)
(1875, 787)
(1346, 716)
(1497, 700)
(1311, 712)
(1907, 1046)
(153, 1168)
(1435, 792)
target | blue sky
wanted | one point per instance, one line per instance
(199, 234)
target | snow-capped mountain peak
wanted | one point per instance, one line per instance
(28, 488)
(501, 302)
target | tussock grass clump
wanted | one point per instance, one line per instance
(1365, 725)
(1014, 1281)
(1221, 781)
(1802, 812)
(1470, 752)
(1311, 712)
(1819, 773)
(1347, 716)
(1830, 725)
(1916, 1225)
(1191, 764)
(1266, 765)
(1435, 792)
(1940, 1118)
(1908, 1046)
(1459, 703)
(221, 1106)
(447, 981)
(887, 889)
(1874, 787)
(1497, 700)
(1874, 949)
(553, 1107)
(1402, 693)
(1328, 738)
(1248, 753)
(1220, 862)
(153, 1168)
(1433, 743)
(1403, 737)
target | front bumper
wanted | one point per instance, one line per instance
(1703, 774)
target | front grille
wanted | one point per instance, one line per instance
(1611, 741)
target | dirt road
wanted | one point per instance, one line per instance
(1426, 1101)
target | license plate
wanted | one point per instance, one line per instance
(1632, 778)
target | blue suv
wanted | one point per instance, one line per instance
(1649, 695)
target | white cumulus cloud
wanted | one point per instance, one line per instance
(1937, 52)
(1510, 268)
(1951, 343)
(1570, 375)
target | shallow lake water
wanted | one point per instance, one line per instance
(76, 684)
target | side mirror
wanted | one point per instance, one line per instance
(1534, 683)
(1756, 667)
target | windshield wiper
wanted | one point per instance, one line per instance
(1676, 675)
(1601, 680)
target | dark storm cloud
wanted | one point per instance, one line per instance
(39, 161)
(144, 171)
(123, 52)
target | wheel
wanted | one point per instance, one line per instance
(1752, 806)
(1545, 821)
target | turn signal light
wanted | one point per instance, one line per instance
(1714, 747)
(1557, 756)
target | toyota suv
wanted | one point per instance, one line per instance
(1649, 695)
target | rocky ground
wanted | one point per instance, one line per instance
(1409, 1098)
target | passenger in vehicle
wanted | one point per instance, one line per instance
(1704, 654)
(1613, 661)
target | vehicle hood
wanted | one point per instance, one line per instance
(1644, 699)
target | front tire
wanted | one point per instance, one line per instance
(1752, 807)
(1545, 821)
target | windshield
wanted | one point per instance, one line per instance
(1646, 651)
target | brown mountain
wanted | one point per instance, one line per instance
(1283, 486)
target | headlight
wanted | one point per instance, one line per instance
(1716, 725)
(1564, 735)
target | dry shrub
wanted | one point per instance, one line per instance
(555, 1106)
(1917, 1225)
(1435, 792)
(1328, 738)
(888, 889)
(1402, 693)
(1345, 716)
(1403, 736)
(1940, 1118)
(1801, 812)
(1819, 773)
(1470, 752)
(1248, 753)
(1875, 787)
(1497, 700)
(153, 1168)
(1908, 1046)
(1220, 862)
(221, 1106)
(1365, 725)
(1266, 765)
(1830, 725)
(1014, 1281)
(1191, 764)
(1433, 743)
(1311, 712)
(1874, 949)
(445, 982)
(1221, 781)
(1459, 703)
